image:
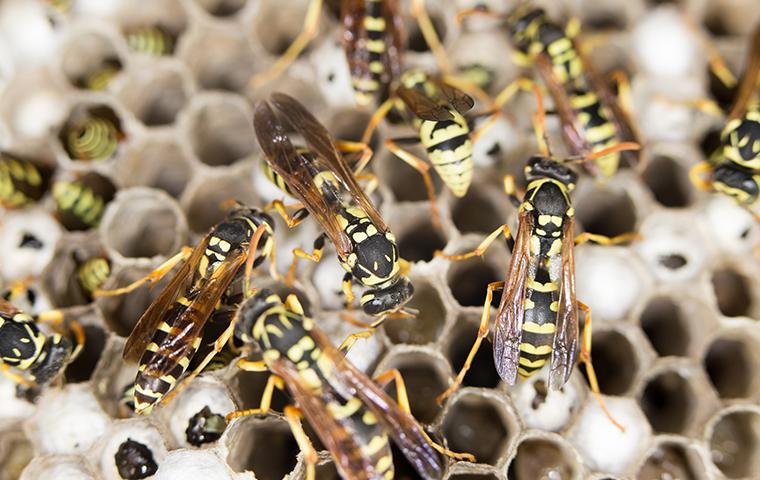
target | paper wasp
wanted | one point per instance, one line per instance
(205, 291)
(733, 167)
(41, 356)
(80, 203)
(322, 181)
(352, 416)
(22, 180)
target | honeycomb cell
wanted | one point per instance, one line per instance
(249, 387)
(219, 59)
(731, 362)
(469, 279)
(476, 213)
(615, 362)
(136, 431)
(669, 182)
(427, 325)
(206, 201)
(93, 132)
(478, 425)
(205, 393)
(482, 372)
(16, 455)
(732, 292)
(405, 182)
(666, 327)
(155, 96)
(222, 8)
(668, 400)
(734, 442)
(158, 161)
(544, 457)
(415, 41)
(220, 130)
(419, 241)
(544, 408)
(275, 27)
(141, 27)
(606, 212)
(265, 446)
(81, 369)
(671, 459)
(90, 60)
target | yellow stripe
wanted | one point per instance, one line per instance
(544, 329)
(376, 444)
(542, 287)
(374, 23)
(376, 46)
(534, 350)
(532, 364)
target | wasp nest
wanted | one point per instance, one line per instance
(675, 342)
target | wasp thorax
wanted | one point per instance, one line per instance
(521, 18)
(543, 167)
(250, 312)
(386, 300)
(736, 182)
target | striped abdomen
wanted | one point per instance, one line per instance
(21, 181)
(450, 150)
(598, 131)
(367, 83)
(539, 321)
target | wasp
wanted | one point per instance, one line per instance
(23, 181)
(733, 167)
(154, 40)
(321, 180)
(204, 292)
(353, 417)
(24, 347)
(92, 135)
(80, 203)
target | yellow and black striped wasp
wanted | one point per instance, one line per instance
(92, 134)
(80, 203)
(204, 292)
(734, 168)
(352, 416)
(155, 40)
(23, 181)
(322, 181)
(41, 357)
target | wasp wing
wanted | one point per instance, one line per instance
(143, 331)
(346, 452)
(354, 33)
(564, 348)
(509, 318)
(422, 106)
(750, 78)
(193, 318)
(395, 38)
(321, 143)
(295, 170)
(7, 307)
(460, 101)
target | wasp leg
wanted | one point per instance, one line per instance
(79, 339)
(619, 147)
(623, 84)
(55, 318)
(482, 333)
(423, 168)
(695, 175)
(585, 357)
(266, 400)
(282, 210)
(603, 240)
(374, 121)
(293, 415)
(510, 188)
(431, 37)
(350, 340)
(315, 256)
(269, 248)
(403, 400)
(152, 277)
(15, 377)
(308, 33)
(348, 292)
(480, 250)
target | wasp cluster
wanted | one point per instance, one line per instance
(675, 342)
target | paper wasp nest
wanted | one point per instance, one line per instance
(676, 339)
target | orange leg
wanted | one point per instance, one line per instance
(152, 277)
(424, 169)
(431, 37)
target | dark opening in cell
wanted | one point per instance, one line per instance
(482, 372)
(735, 444)
(469, 281)
(667, 402)
(419, 242)
(669, 460)
(475, 213)
(538, 458)
(732, 292)
(614, 362)
(424, 383)
(80, 370)
(665, 326)
(668, 181)
(729, 363)
(416, 41)
(427, 325)
(475, 426)
(266, 448)
(605, 212)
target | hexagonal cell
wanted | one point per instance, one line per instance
(133, 446)
(156, 226)
(249, 388)
(669, 182)
(731, 362)
(155, 95)
(477, 425)
(264, 446)
(482, 372)
(606, 212)
(28, 240)
(220, 131)
(415, 41)
(544, 457)
(405, 182)
(610, 280)
(615, 362)
(732, 291)
(205, 199)
(666, 327)
(668, 401)
(219, 59)
(156, 161)
(544, 408)
(82, 368)
(54, 466)
(469, 279)
(418, 242)
(734, 442)
(222, 8)
(427, 325)
(670, 459)
(275, 27)
(90, 60)
(155, 29)
(92, 132)
(476, 213)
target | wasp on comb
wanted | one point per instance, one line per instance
(205, 290)
(321, 180)
(352, 416)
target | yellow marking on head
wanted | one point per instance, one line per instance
(541, 329)
(535, 350)
(23, 340)
(16, 352)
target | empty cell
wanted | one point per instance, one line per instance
(221, 132)
(606, 212)
(671, 460)
(219, 59)
(666, 327)
(350, 125)
(424, 382)
(264, 446)
(416, 41)
(157, 161)
(734, 443)
(732, 292)
(669, 182)
(730, 364)
(615, 362)
(404, 181)
(155, 96)
(418, 242)
(475, 213)
(81, 369)
(275, 26)
(668, 402)
(543, 458)
(206, 203)
(90, 60)
(474, 424)
(482, 372)
(222, 8)
(249, 388)
(469, 279)
(427, 325)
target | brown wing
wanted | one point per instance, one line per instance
(750, 78)
(321, 143)
(7, 308)
(566, 338)
(395, 38)
(345, 451)
(352, 16)
(294, 169)
(623, 124)
(459, 101)
(509, 319)
(404, 429)
(423, 107)
(146, 326)
(176, 347)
